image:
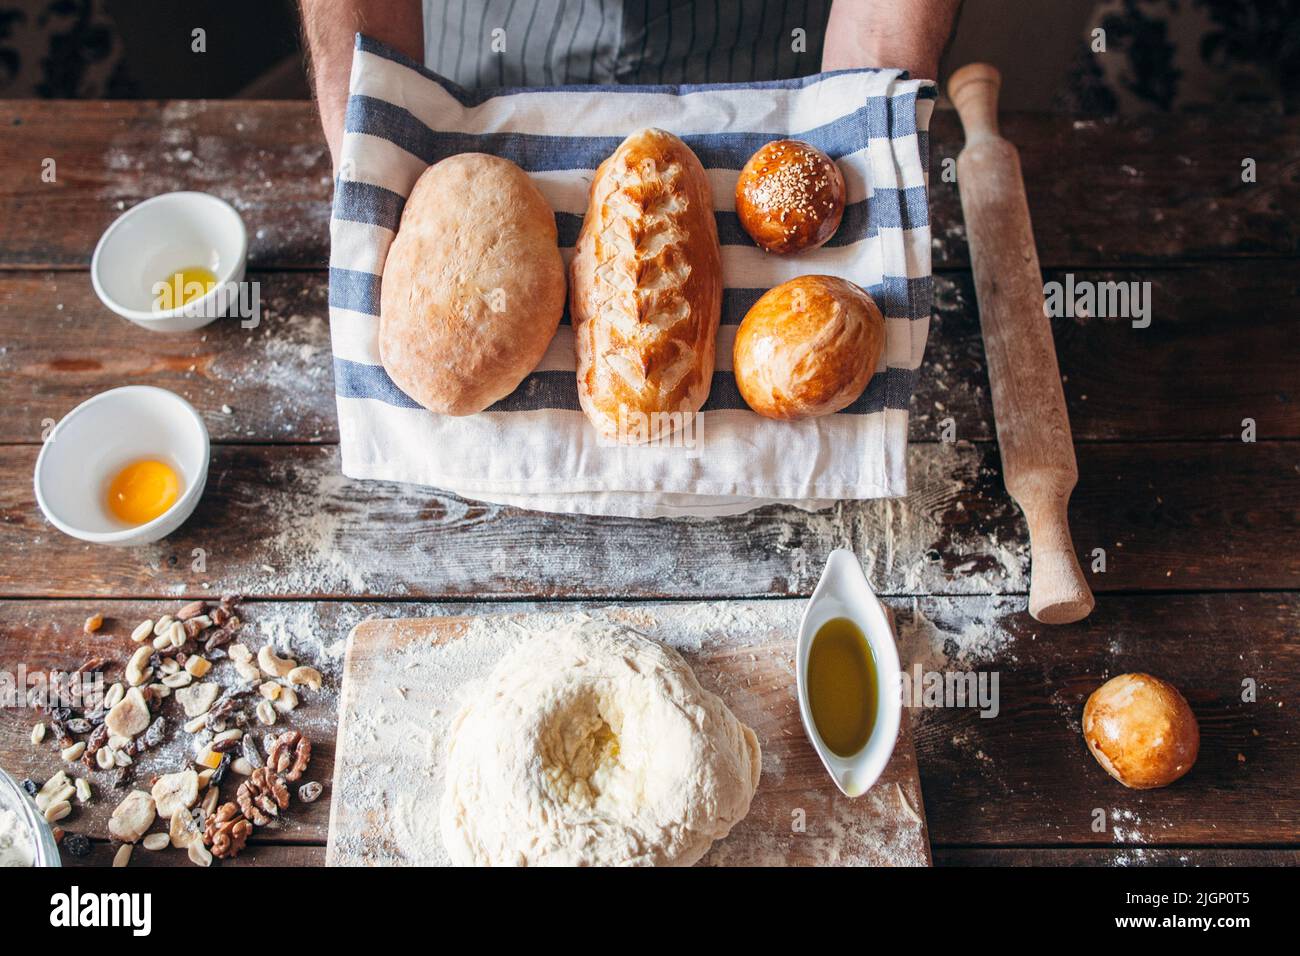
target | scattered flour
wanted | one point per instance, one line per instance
(389, 783)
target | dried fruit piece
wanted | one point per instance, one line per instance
(175, 791)
(182, 829)
(133, 817)
(93, 623)
(197, 666)
(198, 698)
(130, 715)
(76, 844)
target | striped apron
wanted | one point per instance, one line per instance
(481, 43)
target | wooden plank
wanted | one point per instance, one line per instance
(274, 382)
(1023, 778)
(268, 160)
(1026, 777)
(1173, 380)
(1124, 857)
(263, 854)
(401, 683)
(1150, 188)
(282, 521)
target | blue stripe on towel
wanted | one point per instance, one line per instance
(879, 118)
(891, 388)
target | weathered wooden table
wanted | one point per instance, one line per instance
(1199, 528)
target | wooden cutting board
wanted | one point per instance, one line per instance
(402, 683)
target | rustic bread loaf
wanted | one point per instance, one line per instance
(646, 290)
(808, 347)
(473, 286)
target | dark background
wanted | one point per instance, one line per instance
(1161, 54)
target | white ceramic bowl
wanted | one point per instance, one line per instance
(158, 237)
(43, 848)
(843, 591)
(100, 437)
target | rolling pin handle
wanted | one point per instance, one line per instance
(1058, 591)
(973, 90)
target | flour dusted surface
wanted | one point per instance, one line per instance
(404, 686)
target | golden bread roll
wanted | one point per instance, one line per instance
(790, 196)
(473, 286)
(808, 347)
(646, 290)
(1141, 730)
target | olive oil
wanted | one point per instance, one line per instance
(842, 686)
(182, 287)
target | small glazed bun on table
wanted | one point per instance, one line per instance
(808, 347)
(1141, 730)
(790, 196)
(473, 285)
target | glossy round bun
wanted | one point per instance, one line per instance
(808, 347)
(790, 196)
(1141, 730)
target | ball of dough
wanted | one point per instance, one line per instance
(1141, 730)
(808, 347)
(790, 196)
(594, 745)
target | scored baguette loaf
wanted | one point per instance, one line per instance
(646, 290)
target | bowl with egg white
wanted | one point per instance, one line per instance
(173, 263)
(124, 468)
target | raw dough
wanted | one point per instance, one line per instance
(594, 745)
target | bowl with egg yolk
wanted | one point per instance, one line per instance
(125, 468)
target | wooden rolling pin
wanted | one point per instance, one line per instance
(1028, 404)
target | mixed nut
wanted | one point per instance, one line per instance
(175, 655)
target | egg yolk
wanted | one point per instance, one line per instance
(143, 490)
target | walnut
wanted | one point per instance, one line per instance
(262, 796)
(226, 831)
(290, 755)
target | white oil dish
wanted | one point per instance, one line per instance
(154, 241)
(843, 593)
(106, 434)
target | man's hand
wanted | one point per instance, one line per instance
(905, 34)
(329, 28)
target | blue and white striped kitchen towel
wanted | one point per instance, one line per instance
(535, 448)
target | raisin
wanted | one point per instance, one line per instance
(219, 774)
(77, 844)
(156, 733)
(30, 786)
(79, 725)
